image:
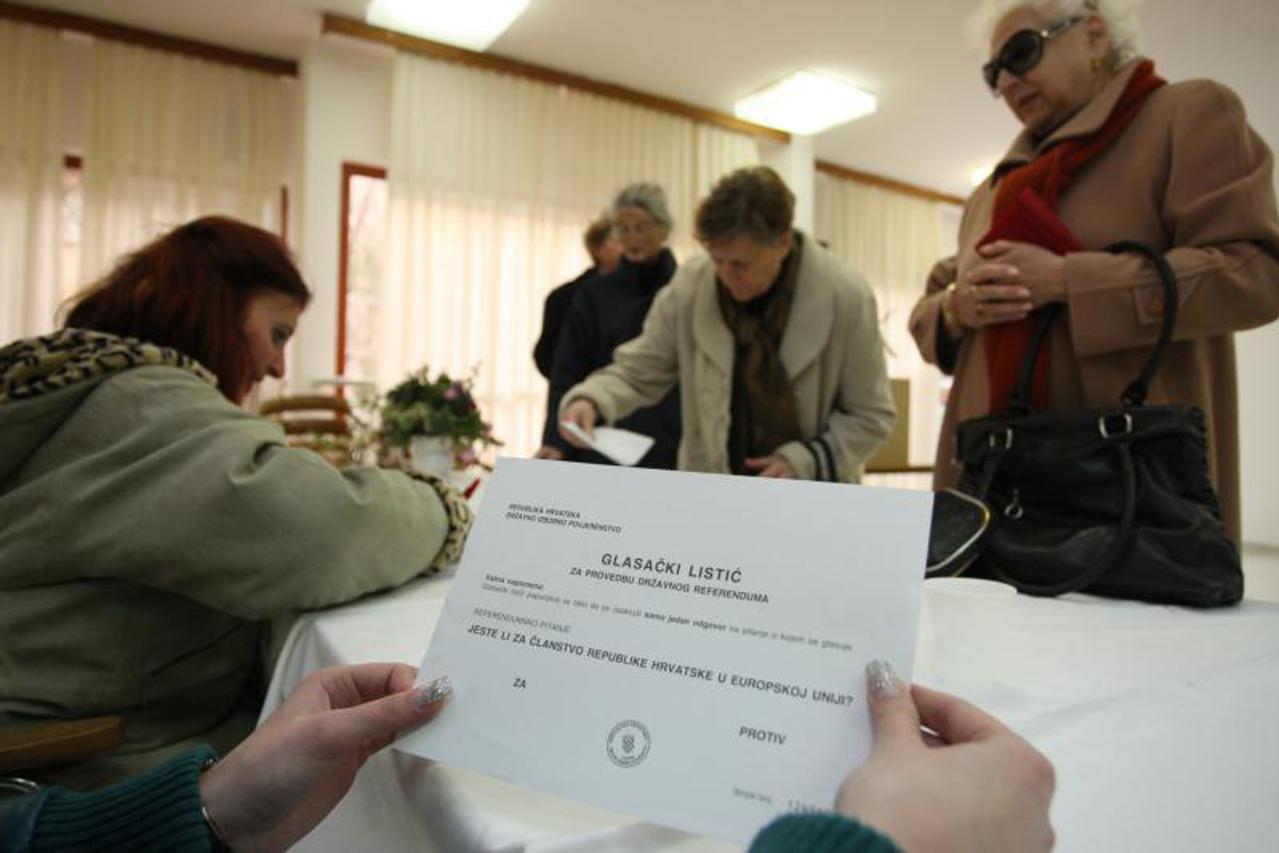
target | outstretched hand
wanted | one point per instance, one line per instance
(582, 413)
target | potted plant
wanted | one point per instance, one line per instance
(435, 419)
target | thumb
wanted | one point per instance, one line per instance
(382, 718)
(892, 710)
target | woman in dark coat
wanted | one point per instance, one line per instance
(608, 311)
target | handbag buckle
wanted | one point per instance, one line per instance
(1014, 510)
(1106, 432)
(1008, 439)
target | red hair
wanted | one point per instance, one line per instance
(188, 290)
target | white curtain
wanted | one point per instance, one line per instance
(31, 151)
(492, 179)
(893, 239)
(171, 138)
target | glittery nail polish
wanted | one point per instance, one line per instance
(881, 679)
(433, 691)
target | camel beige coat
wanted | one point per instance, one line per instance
(1189, 177)
(831, 349)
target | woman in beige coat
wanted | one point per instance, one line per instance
(1117, 154)
(774, 344)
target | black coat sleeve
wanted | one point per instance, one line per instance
(554, 313)
(576, 357)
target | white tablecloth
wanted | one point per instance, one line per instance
(1163, 724)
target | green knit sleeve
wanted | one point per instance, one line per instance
(820, 833)
(159, 810)
(167, 473)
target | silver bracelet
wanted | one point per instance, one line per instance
(219, 840)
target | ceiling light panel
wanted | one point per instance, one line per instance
(473, 24)
(806, 103)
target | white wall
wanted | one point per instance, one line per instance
(345, 116)
(796, 164)
(1258, 353)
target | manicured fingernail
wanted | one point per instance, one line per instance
(882, 680)
(432, 692)
(1024, 293)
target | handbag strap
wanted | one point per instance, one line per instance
(1135, 393)
(1019, 402)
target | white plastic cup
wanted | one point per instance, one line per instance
(969, 621)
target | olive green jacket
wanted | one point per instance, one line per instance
(148, 528)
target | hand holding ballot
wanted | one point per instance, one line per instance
(583, 415)
(986, 790)
(976, 785)
(276, 786)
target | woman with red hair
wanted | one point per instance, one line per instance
(150, 526)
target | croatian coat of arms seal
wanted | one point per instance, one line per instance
(628, 743)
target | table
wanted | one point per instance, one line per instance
(1162, 722)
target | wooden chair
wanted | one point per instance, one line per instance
(318, 422)
(26, 748)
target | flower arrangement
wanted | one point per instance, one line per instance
(440, 407)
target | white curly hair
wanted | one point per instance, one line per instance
(1120, 17)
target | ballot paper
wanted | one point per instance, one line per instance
(621, 445)
(685, 648)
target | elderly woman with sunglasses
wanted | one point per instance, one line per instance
(1108, 152)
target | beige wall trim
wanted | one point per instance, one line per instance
(886, 183)
(492, 62)
(146, 38)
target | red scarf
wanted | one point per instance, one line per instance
(1024, 205)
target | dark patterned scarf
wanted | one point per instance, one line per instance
(764, 414)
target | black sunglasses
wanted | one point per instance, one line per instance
(1022, 51)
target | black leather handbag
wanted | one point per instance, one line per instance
(1114, 502)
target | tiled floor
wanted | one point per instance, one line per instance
(1261, 572)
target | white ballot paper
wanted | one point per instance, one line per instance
(686, 648)
(621, 445)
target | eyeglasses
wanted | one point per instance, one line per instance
(639, 229)
(1022, 52)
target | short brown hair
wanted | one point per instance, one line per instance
(596, 233)
(753, 202)
(188, 291)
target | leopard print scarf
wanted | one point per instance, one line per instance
(34, 366)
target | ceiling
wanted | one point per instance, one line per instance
(935, 122)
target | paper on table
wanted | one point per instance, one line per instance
(687, 648)
(622, 446)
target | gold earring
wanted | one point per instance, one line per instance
(1095, 64)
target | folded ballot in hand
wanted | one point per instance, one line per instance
(622, 446)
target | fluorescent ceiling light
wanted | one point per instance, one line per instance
(472, 24)
(806, 103)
